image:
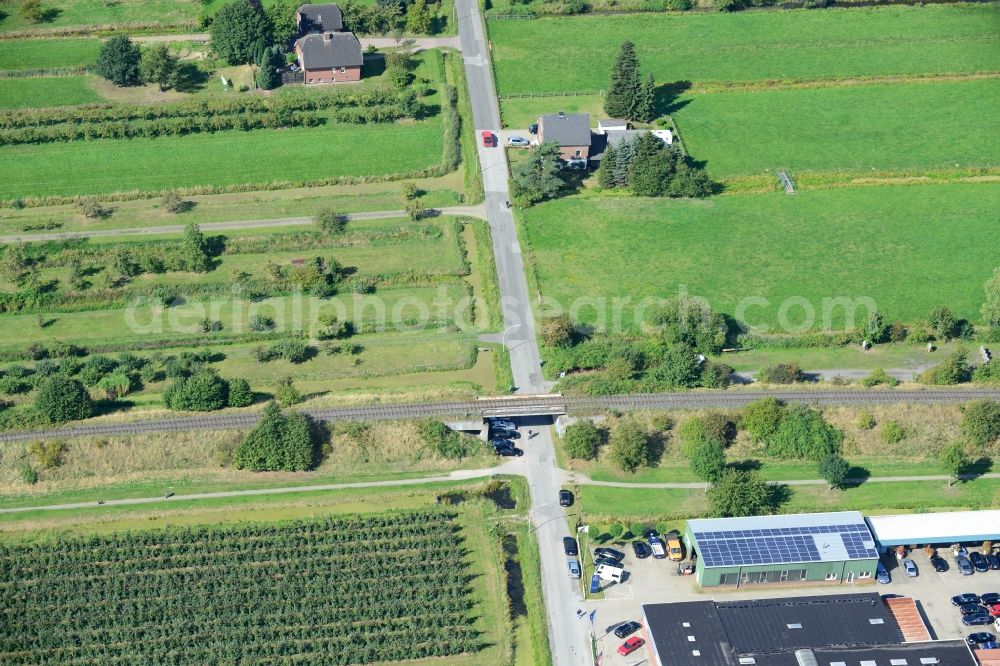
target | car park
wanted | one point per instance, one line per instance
(610, 553)
(569, 546)
(909, 567)
(964, 566)
(574, 569)
(939, 564)
(989, 598)
(979, 638)
(977, 619)
(971, 609)
(640, 550)
(962, 599)
(630, 646)
(518, 142)
(978, 561)
(501, 423)
(992, 561)
(627, 629)
(565, 498)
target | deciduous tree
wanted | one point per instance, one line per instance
(740, 493)
(237, 29)
(834, 470)
(581, 440)
(159, 66)
(281, 442)
(629, 446)
(60, 398)
(119, 60)
(537, 178)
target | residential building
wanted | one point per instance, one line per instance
(330, 57)
(571, 131)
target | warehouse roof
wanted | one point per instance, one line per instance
(798, 538)
(923, 528)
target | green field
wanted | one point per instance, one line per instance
(857, 127)
(44, 53)
(224, 158)
(909, 248)
(42, 92)
(748, 46)
(101, 12)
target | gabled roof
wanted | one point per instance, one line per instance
(336, 49)
(567, 129)
(321, 18)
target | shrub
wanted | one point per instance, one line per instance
(879, 377)
(13, 386)
(96, 367)
(557, 331)
(897, 332)
(237, 29)
(941, 322)
(285, 392)
(118, 61)
(292, 350)
(628, 446)
(981, 422)
(441, 439)
(47, 454)
(27, 474)
(740, 493)
(761, 418)
(240, 394)
(409, 191)
(866, 421)
(782, 373)
(892, 432)
(953, 370)
(95, 210)
(279, 443)
(834, 470)
(987, 373)
(203, 391)
(330, 221)
(715, 375)
(803, 434)
(581, 440)
(679, 367)
(60, 398)
(174, 203)
(720, 427)
(708, 460)
(260, 324)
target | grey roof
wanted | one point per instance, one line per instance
(612, 138)
(337, 49)
(612, 122)
(571, 129)
(321, 18)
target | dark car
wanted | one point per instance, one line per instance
(533, 128)
(607, 561)
(627, 628)
(641, 550)
(979, 638)
(939, 564)
(964, 566)
(610, 553)
(498, 443)
(989, 598)
(504, 433)
(978, 561)
(977, 619)
(565, 498)
(569, 546)
(967, 598)
(971, 609)
(993, 562)
(508, 452)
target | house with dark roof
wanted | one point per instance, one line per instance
(571, 131)
(319, 18)
(329, 57)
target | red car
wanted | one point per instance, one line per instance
(630, 646)
(488, 138)
(994, 610)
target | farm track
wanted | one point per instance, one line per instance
(525, 405)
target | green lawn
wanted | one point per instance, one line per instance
(224, 158)
(101, 12)
(908, 248)
(41, 92)
(857, 127)
(43, 53)
(748, 46)
(521, 112)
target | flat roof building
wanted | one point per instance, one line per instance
(792, 549)
(935, 528)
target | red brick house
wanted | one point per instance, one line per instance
(330, 57)
(571, 131)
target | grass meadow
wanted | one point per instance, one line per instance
(68, 13)
(909, 248)
(42, 92)
(855, 127)
(44, 53)
(833, 43)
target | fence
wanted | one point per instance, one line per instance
(569, 93)
(292, 77)
(512, 17)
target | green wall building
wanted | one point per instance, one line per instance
(794, 549)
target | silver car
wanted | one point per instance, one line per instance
(518, 142)
(909, 567)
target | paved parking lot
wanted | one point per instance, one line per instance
(656, 581)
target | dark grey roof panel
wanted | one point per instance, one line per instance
(338, 49)
(571, 129)
(321, 18)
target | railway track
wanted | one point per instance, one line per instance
(518, 406)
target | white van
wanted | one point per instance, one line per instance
(608, 572)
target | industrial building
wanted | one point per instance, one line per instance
(793, 549)
(921, 529)
(834, 630)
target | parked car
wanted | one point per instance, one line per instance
(569, 546)
(509, 452)
(518, 142)
(882, 574)
(565, 498)
(640, 550)
(610, 553)
(971, 609)
(504, 433)
(977, 619)
(989, 598)
(533, 128)
(656, 545)
(939, 564)
(967, 598)
(488, 138)
(994, 610)
(979, 638)
(630, 646)
(909, 567)
(574, 569)
(978, 561)
(501, 423)
(627, 628)
(608, 562)
(993, 562)
(964, 566)
(501, 443)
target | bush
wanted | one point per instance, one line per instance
(782, 373)
(987, 373)
(892, 432)
(981, 422)
(60, 398)
(761, 418)
(237, 29)
(285, 392)
(174, 203)
(260, 324)
(557, 331)
(27, 474)
(720, 427)
(47, 454)
(203, 391)
(292, 350)
(441, 439)
(95, 368)
(118, 61)
(240, 394)
(941, 322)
(953, 370)
(628, 446)
(879, 377)
(279, 443)
(581, 440)
(330, 221)
(834, 470)
(866, 421)
(740, 493)
(803, 434)
(95, 210)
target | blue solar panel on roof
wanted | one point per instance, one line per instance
(780, 545)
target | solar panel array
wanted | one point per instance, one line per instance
(783, 545)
